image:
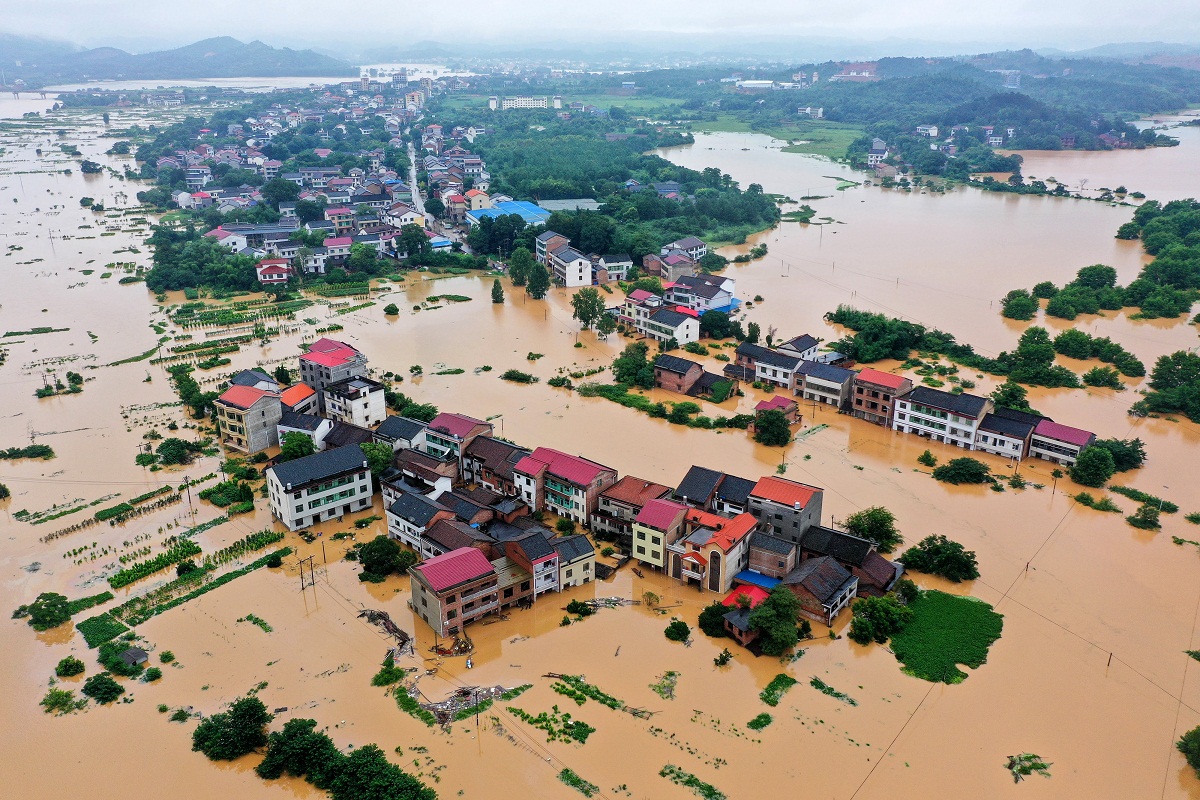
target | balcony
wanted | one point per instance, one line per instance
(687, 573)
(467, 616)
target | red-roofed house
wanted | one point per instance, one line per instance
(784, 508)
(779, 402)
(329, 361)
(570, 486)
(620, 504)
(1059, 443)
(449, 434)
(273, 271)
(337, 248)
(657, 527)
(713, 549)
(342, 219)
(753, 594)
(451, 590)
(248, 418)
(300, 399)
(874, 394)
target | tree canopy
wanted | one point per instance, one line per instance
(938, 555)
(875, 524)
(775, 621)
(234, 733)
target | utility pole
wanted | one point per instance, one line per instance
(312, 579)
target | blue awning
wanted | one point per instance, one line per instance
(756, 579)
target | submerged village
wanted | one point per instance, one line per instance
(427, 434)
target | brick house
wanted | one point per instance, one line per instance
(876, 575)
(823, 586)
(874, 395)
(676, 374)
(619, 505)
(449, 591)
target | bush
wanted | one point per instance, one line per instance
(937, 555)
(712, 620)
(152, 674)
(759, 722)
(876, 524)
(565, 526)
(516, 376)
(1189, 745)
(1019, 304)
(678, 631)
(274, 561)
(391, 310)
(963, 470)
(68, 667)
(1094, 467)
(48, 611)
(876, 619)
(1146, 518)
(928, 459)
(102, 688)
(1105, 377)
(233, 733)
(166, 657)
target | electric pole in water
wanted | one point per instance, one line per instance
(312, 578)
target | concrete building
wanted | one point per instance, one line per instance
(569, 267)
(452, 590)
(355, 401)
(619, 505)
(941, 416)
(327, 361)
(874, 394)
(449, 434)
(712, 550)
(822, 383)
(247, 418)
(785, 509)
(567, 485)
(410, 515)
(657, 525)
(576, 560)
(1007, 432)
(322, 486)
(402, 433)
(1061, 444)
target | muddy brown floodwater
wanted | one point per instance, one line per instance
(1090, 672)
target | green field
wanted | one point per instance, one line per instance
(946, 630)
(821, 138)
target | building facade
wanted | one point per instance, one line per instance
(322, 486)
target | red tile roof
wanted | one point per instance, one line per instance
(1064, 433)
(756, 594)
(638, 295)
(784, 492)
(733, 531)
(881, 378)
(661, 514)
(575, 469)
(694, 556)
(778, 402)
(329, 352)
(243, 396)
(456, 567)
(295, 394)
(457, 425)
(339, 241)
(635, 491)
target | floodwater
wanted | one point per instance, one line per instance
(1089, 674)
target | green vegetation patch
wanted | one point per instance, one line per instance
(679, 776)
(946, 630)
(570, 778)
(825, 689)
(776, 689)
(101, 628)
(761, 721)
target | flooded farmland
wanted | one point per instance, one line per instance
(1090, 672)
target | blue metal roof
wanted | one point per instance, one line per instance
(531, 213)
(756, 579)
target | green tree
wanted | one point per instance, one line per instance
(605, 326)
(497, 292)
(771, 428)
(678, 631)
(588, 306)
(538, 282)
(875, 524)
(876, 619)
(379, 456)
(380, 556)
(712, 619)
(633, 368)
(48, 611)
(775, 621)
(937, 555)
(1011, 395)
(300, 751)
(435, 208)
(173, 451)
(69, 667)
(1093, 467)
(233, 733)
(279, 190)
(1127, 453)
(963, 470)
(752, 333)
(363, 258)
(1044, 290)
(414, 242)
(1189, 745)
(715, 324)
(283, 375)
(295, 445)
(391, 310)
(519, 264)
(5, 493)
(648, 284)
(310, 210)
(1019, 304)
(102, 688)
(366, 774)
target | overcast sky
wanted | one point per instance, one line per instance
(148, 24)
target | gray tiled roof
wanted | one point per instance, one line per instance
(735, 490)
(768, 356)
(416, 509)
(965, 405)
(301, 422)
(320, 466)
(572, 548)
(396, 428)
(1006, 427)
(535, 546)
(698, 484)
(771, 544)
(674, 364)
(824, 577)
(842, 546)
(825, 372)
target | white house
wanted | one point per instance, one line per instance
(941, 416)
(569, 267)
(355, 401)
(322, 486)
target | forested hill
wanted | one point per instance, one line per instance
(221, 57)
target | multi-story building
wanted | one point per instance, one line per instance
(613, 267)
(658, 525)
(941, 416)
(874, 395)
(546, 243)
(449, 591)
(520, 101)
(715, 491)
(822, 383)
(712, 550)
(247, 418)
(410, 515)
(402, 433)
(355, 401)
(1061, 444)
(620, 504)
(576, 560)
(804, 346)
(691, 246)
(536, 555)
(567, 485)
(327, 361)
(448, 434)
(703, 293)
(1006, 432)
(785, 509)
(490, 463)
(322, 486)
(569, 267)
(770, 366)
(772, 556)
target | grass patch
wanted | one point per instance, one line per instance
(825, 689)
(581, 691)
(84, 603)
(570, 778)
(665, 687)
(946, 630)
(776, 689)
(1165, 506)
(558, 725)
(99, 629)
(259, 621)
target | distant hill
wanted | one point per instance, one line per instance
(221, 57)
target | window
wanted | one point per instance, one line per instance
(525, 586)
(508, 592)
(299, 509)
(586, 568)
(449, 598)
(641, 551)
(779, 564)
(655, 540)
(569, 573)
(451, 614)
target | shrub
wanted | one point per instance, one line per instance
(963, 470)
(1189, 745)
(102, 688)
(776, 689)
(937, 555)
(1094, 467)
(516, 376)
(565, 526)
(274, 561)
(712, 620)
(391, 310)
(877, 619)
(152, 674)
(928, 459)
(1146, 518)
(233, 733)
(68, 667)
(759, 722)
(678, 631)
(1104, 377)
(166, 657)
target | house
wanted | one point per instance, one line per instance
(256, 379)
(410, 515)
(823, 586)
(322, 486)
(401, 433)
(715, 491)
(619, 505)
(874, 393)
(1006, 432)
(658, 525)
(247, 418)
(770, 366)
(784, 508)
(614, 267)
(576, 560)
(416, 473)
(491, 463)
(355, 401)
(712, 550)
(663, 324)
(567, 485)
(327, 361)
(691, 246)
(536, 556)
(804, 346)
(451, 590)
(772, 556)
(702, 293)
(741, 601)
(569, 267)
(822, 383)
(1058, 443)
(315, 428)
(784, 405)
(878, 153)
(300, 398)
(446, 535)
(448, 434)
(676, 374)
(941, 416)
(343, 434)
(927, 130)
(876, 575)
(134, 656)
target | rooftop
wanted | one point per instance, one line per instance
(396, 428)
(660, 514)
(300, 422)
(885, 379)
(783, 491)
(675, 364)
(243, 397)
(756, 594)
(842, 546)
(964, 405)
(635, 491)
(319, 466)
(823, 577)
(451, 569)
(699, 484)
(576, 469)
(457, 425)
(572, 548)
(1063, 433)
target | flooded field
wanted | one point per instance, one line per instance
(1090, 672)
